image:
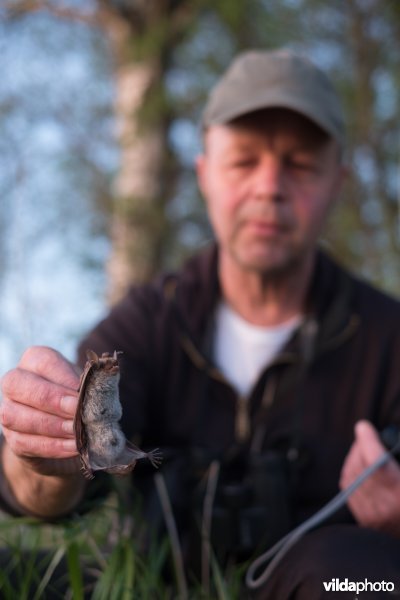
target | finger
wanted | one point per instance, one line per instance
(51, 365)
(25, 445)
(366, 449)
(370, 445)
(25, 419)
(376, 502)
(353, 465)
(29, 389)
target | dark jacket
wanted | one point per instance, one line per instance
(341, 366)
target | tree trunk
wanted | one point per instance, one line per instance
(135, 218)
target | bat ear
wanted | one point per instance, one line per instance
(116, 352)
(92, 356)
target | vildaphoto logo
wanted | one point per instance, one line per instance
(344, 585)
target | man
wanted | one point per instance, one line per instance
(260, 356)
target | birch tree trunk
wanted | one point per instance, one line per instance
(135, 226)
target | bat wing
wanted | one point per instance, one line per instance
(128, 458)
(79, 427)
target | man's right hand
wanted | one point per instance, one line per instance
(39, 402)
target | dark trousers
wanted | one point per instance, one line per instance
(335, 553)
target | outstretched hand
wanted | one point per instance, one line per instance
(39, 402)
(39, 457)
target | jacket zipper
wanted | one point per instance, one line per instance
(242, 419)
(242, 416)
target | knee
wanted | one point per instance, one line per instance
(346, 551)
(334, 552)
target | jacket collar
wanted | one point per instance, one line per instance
(329, 304)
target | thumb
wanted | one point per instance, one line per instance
(368, 441)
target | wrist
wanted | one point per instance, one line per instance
(40, 487)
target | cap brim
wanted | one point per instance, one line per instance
(274, 101)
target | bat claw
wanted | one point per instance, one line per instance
(155, 457)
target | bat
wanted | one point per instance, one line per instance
(101, 443)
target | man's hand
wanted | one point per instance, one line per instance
(376, 503)
(39, 403)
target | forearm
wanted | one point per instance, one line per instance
(32, 493)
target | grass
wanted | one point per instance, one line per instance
(97, 555)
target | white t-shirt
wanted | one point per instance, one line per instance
(243, 350)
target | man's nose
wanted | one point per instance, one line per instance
(269, 182)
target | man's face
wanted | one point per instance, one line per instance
(269, 180)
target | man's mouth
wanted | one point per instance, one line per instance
(265, 228)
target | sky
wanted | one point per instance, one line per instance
(56, 135)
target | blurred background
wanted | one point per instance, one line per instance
(99, 110)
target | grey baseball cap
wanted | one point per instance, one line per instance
(259, 79)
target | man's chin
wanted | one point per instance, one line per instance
(269, 264)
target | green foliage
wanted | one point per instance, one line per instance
(117, 580)
(155, 111)
(74, 569)
(151, 41)
(26, 571)
(99, 556)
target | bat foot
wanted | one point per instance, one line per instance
(155, 457)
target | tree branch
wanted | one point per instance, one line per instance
(14, 10)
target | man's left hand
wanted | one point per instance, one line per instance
(376, 503)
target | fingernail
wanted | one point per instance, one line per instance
(68, 404)
(69, 445)
(68, 426)
(361, 426)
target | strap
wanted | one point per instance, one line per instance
(282, 547)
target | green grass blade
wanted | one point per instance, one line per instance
(49, 572)
(74, 571)
(118, 578)
(220, 585)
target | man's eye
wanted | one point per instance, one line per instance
(298, 164)
(243, 163)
